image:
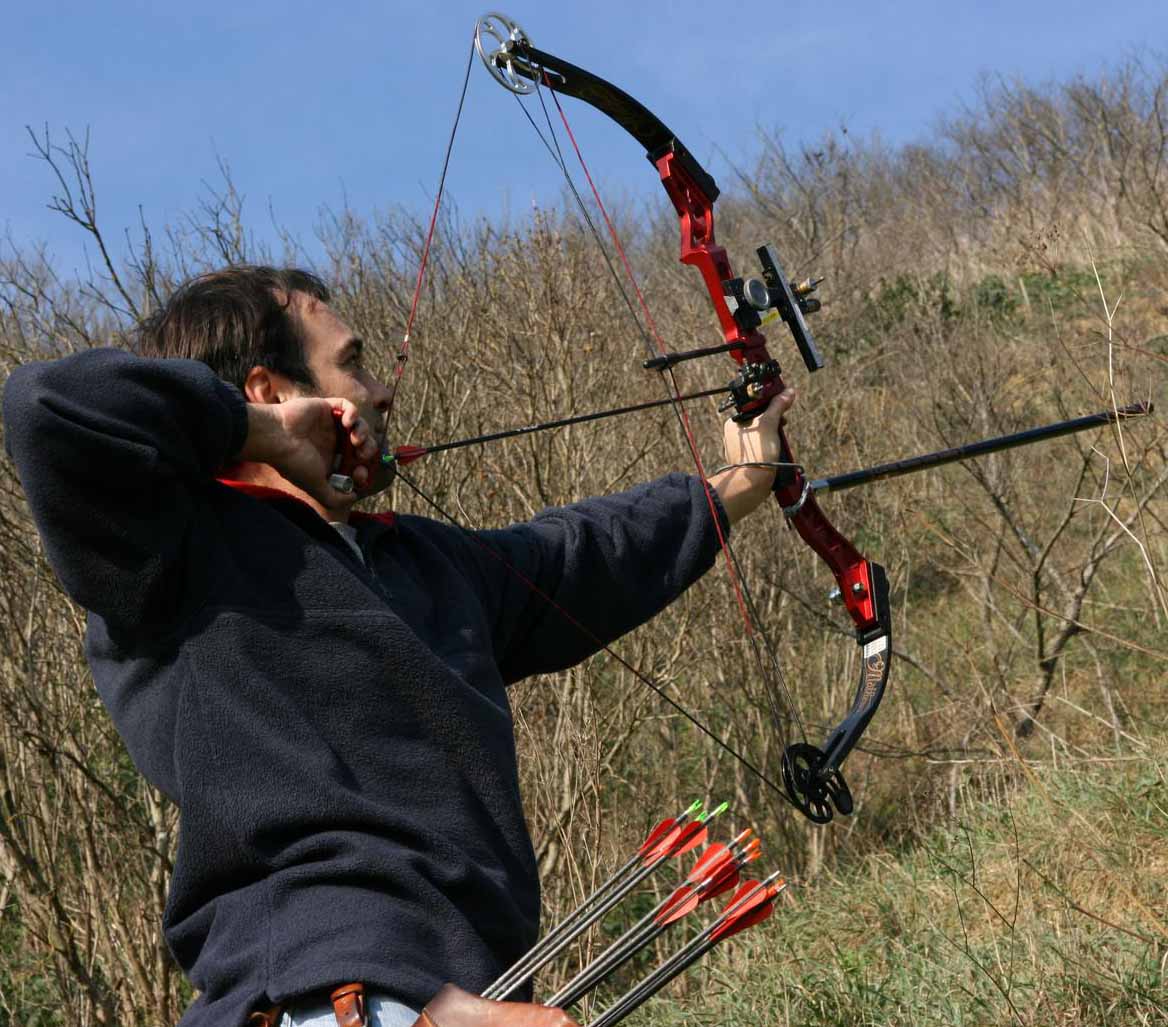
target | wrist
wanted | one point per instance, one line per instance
(266, 437)
(743, 490)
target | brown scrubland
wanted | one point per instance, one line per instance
(1007, 857)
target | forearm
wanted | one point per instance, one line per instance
(106, 412)
(613, 562)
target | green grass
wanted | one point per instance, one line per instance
(1048, 911)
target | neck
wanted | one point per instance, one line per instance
(269, 477)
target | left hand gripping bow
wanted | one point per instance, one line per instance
(811, 774)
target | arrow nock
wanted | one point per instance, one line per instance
(716, 811)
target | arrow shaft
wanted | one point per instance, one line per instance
(614, 957)
(525, 964)
(512, 980)
(674, 844)
(642, 933)
(685, 957)
(562, 422)
(654, 982)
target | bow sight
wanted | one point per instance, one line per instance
(759, 301)
(755, 302)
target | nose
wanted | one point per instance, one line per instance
(382, 397)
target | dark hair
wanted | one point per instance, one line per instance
(233, 320)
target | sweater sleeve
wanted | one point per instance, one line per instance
(577, 577)
(109, 447)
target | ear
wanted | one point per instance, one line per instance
(264, 386)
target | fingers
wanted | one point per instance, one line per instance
(346, 411)
(758, 441)
(359, 433)
(777, 407)
(453, 1007)
(771, 418)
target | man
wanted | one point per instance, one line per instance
(323, 693)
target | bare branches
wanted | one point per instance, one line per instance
(76, 199)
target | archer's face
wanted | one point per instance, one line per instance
(335, 355)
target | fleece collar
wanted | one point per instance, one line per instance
(268, 494)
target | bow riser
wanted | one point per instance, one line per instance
(853, 573)
(699, 249)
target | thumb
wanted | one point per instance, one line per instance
(772, 416)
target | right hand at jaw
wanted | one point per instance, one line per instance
(298, 438)
(453, 1007)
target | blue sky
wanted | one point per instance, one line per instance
(314, 109)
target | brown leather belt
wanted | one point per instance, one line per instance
(348, 1007)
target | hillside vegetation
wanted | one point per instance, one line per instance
(1007, 857)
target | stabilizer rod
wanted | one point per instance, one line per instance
(839, 482)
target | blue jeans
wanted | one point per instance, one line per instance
(383, 1012)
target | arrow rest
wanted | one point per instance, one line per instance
(748, 387)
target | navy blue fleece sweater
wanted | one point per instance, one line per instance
(337, 736)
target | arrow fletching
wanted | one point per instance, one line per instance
(678, 842)
(709, 861)
(743, 921)
(726, 880)
(404, 455)
(664, 835)
(751, 904)
(697, 833)
(667, 825)
(665, 832)
(681, 903)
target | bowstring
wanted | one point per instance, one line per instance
(557, 156)
(403, 353)
(779, 698)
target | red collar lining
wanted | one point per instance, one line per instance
(268, 493)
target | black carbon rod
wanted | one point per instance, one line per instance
(406, 453)
(896, 468)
